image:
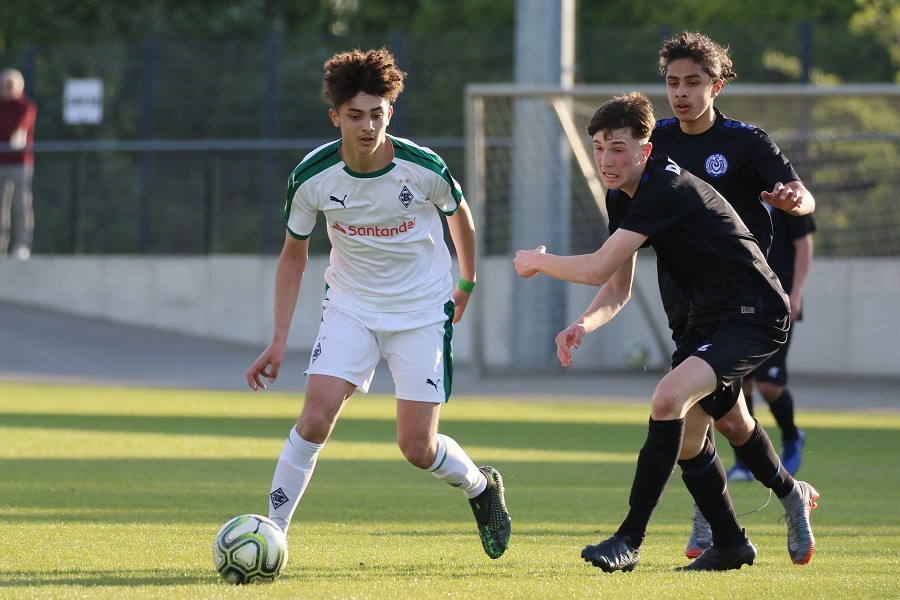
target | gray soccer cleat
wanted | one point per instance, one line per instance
(797, 505)
(701, 535)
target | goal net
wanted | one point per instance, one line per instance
(531, 180)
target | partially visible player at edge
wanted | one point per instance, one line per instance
(744, 165)
(790, 257)
(739, 316)
(389, 294)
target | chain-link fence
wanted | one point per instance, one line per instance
(198, 136)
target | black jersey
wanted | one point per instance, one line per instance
(699, 239)
(739, 161)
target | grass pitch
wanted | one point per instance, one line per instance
(118, 493)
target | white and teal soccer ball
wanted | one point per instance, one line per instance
(250, 549)
(636, 355)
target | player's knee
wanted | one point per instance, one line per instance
(314, 427)
(769, 391)
(666, 403)
(417, 451)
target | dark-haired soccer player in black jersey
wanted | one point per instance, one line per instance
(739, 316)
(743, 164)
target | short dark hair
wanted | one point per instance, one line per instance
(632, 110)
(373, 72)
(702, 50)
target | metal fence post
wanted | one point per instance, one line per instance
(146, 159)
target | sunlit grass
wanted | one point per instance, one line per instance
(117, 493)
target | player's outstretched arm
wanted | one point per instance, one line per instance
(792, 198)
(288, 275)
(605, 305)
(592, 269)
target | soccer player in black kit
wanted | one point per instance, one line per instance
(739, 316)
(743, 164)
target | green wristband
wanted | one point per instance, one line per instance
(466, 286)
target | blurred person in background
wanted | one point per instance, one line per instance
(17, 117)
(790, 257)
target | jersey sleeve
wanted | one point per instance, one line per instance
(799, 227)
(447, 193)
(769, 162)
(299, 211)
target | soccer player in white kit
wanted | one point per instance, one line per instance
(390, 294)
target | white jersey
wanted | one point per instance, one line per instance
(387, 240)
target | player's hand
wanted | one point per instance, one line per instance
(525, 259)
(461, 300)
(783, 197)
(566, 340)
(267, 365)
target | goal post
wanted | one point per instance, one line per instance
(844, 142)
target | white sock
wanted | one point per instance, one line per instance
(292, 473)
(452, 465)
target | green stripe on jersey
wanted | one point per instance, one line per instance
(406, 150)
(327, 156)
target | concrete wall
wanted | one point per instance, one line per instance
(850, 328)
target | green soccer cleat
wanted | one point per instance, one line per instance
(491, 515)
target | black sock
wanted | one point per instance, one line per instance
(783, 411)
(655, 464)
(705, 479)
(759, 456)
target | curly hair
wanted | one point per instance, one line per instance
(373, 72)
(632, 110)
(702, 50)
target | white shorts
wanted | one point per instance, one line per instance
(416, 346)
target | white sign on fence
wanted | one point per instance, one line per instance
(83, 101)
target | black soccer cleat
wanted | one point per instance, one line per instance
(714, 559)
(615, 553)
(491, 515)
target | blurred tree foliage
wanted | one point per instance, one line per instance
(90, 21)
(251, 69)
(771, 23)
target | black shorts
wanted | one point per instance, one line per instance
(733, 349)
(774, 369)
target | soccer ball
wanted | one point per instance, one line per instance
(250, 549)
(636, 355)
